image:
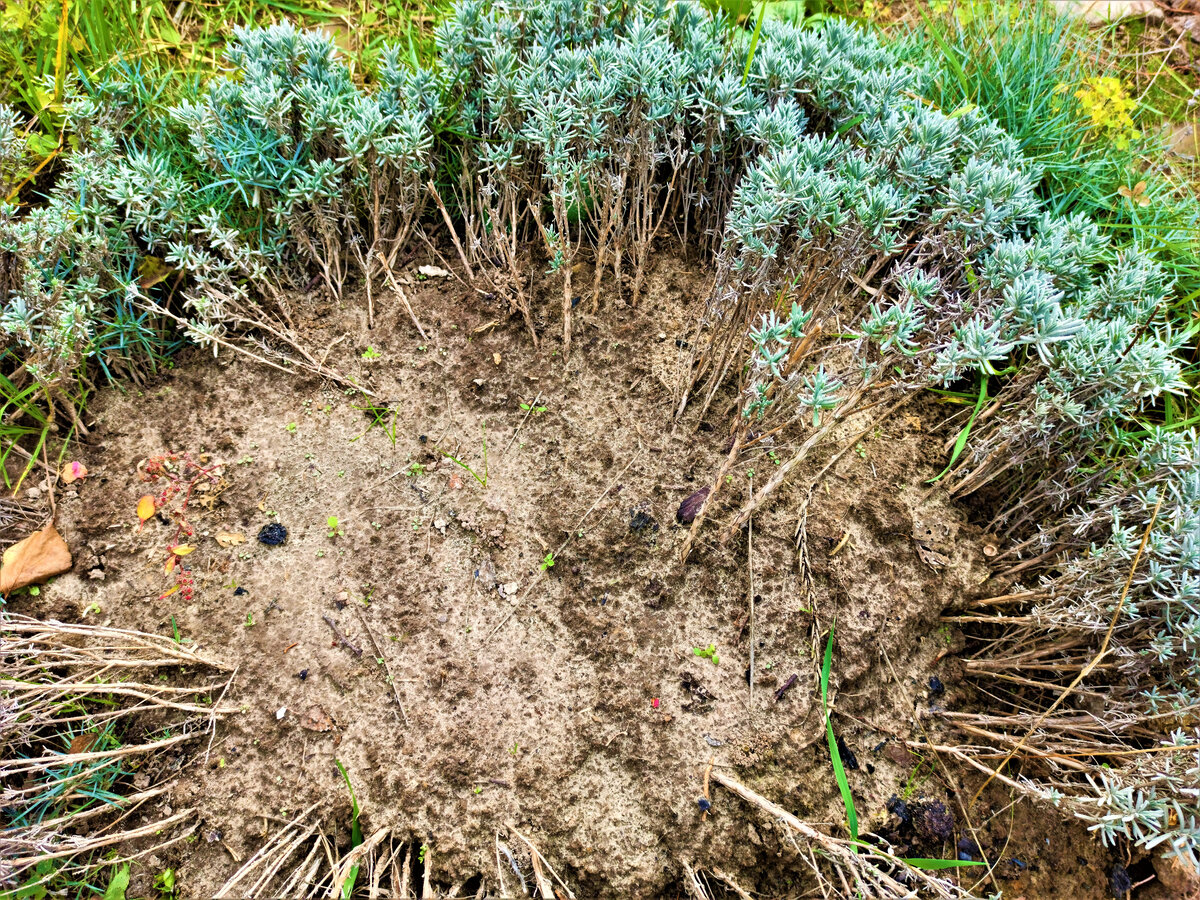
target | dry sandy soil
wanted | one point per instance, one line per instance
(564, 702)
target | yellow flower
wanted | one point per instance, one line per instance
(1109, 108)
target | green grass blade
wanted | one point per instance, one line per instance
(356, 837)
(932, 865)
(839, 770)
(960, 442)
(762, 12)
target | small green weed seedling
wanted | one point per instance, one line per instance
(547, 562)
(382, 417)
(709, 652)
(536, 410)
(414, 470)
(335, 528)
(371, 353)
(290, 427)
(458, 462)
(164, 883)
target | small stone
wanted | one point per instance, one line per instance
(486, 573)
(1119, 881)
(280, 713)
(272, 535)
(33, 494)
(443, 619)
(640, 520)
(662, 335)
(510, 588)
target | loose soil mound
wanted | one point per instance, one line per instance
(565, 701)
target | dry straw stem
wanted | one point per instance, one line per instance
(696, 884)
(782, 472)
(55, 674)
(1087, 670)
(543, 883)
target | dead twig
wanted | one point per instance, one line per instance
(342, 639)
(386, 668)
(1100, 654)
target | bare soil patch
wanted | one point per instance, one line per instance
(565, 701)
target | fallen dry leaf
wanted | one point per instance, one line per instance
(433, 271)
(72, 472)
(182, 549)
(316, 719)
(82, 743)
(42, 555)
(145, 507)
(914, 421)
(230, 538)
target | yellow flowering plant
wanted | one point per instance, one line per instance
(1105, 101)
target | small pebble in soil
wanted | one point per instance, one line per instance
(849, 760)
(639, 521)
(936, 688)
(239, 591)
(899, 809)
(704, 805)
(302, 674)
(272, 535)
